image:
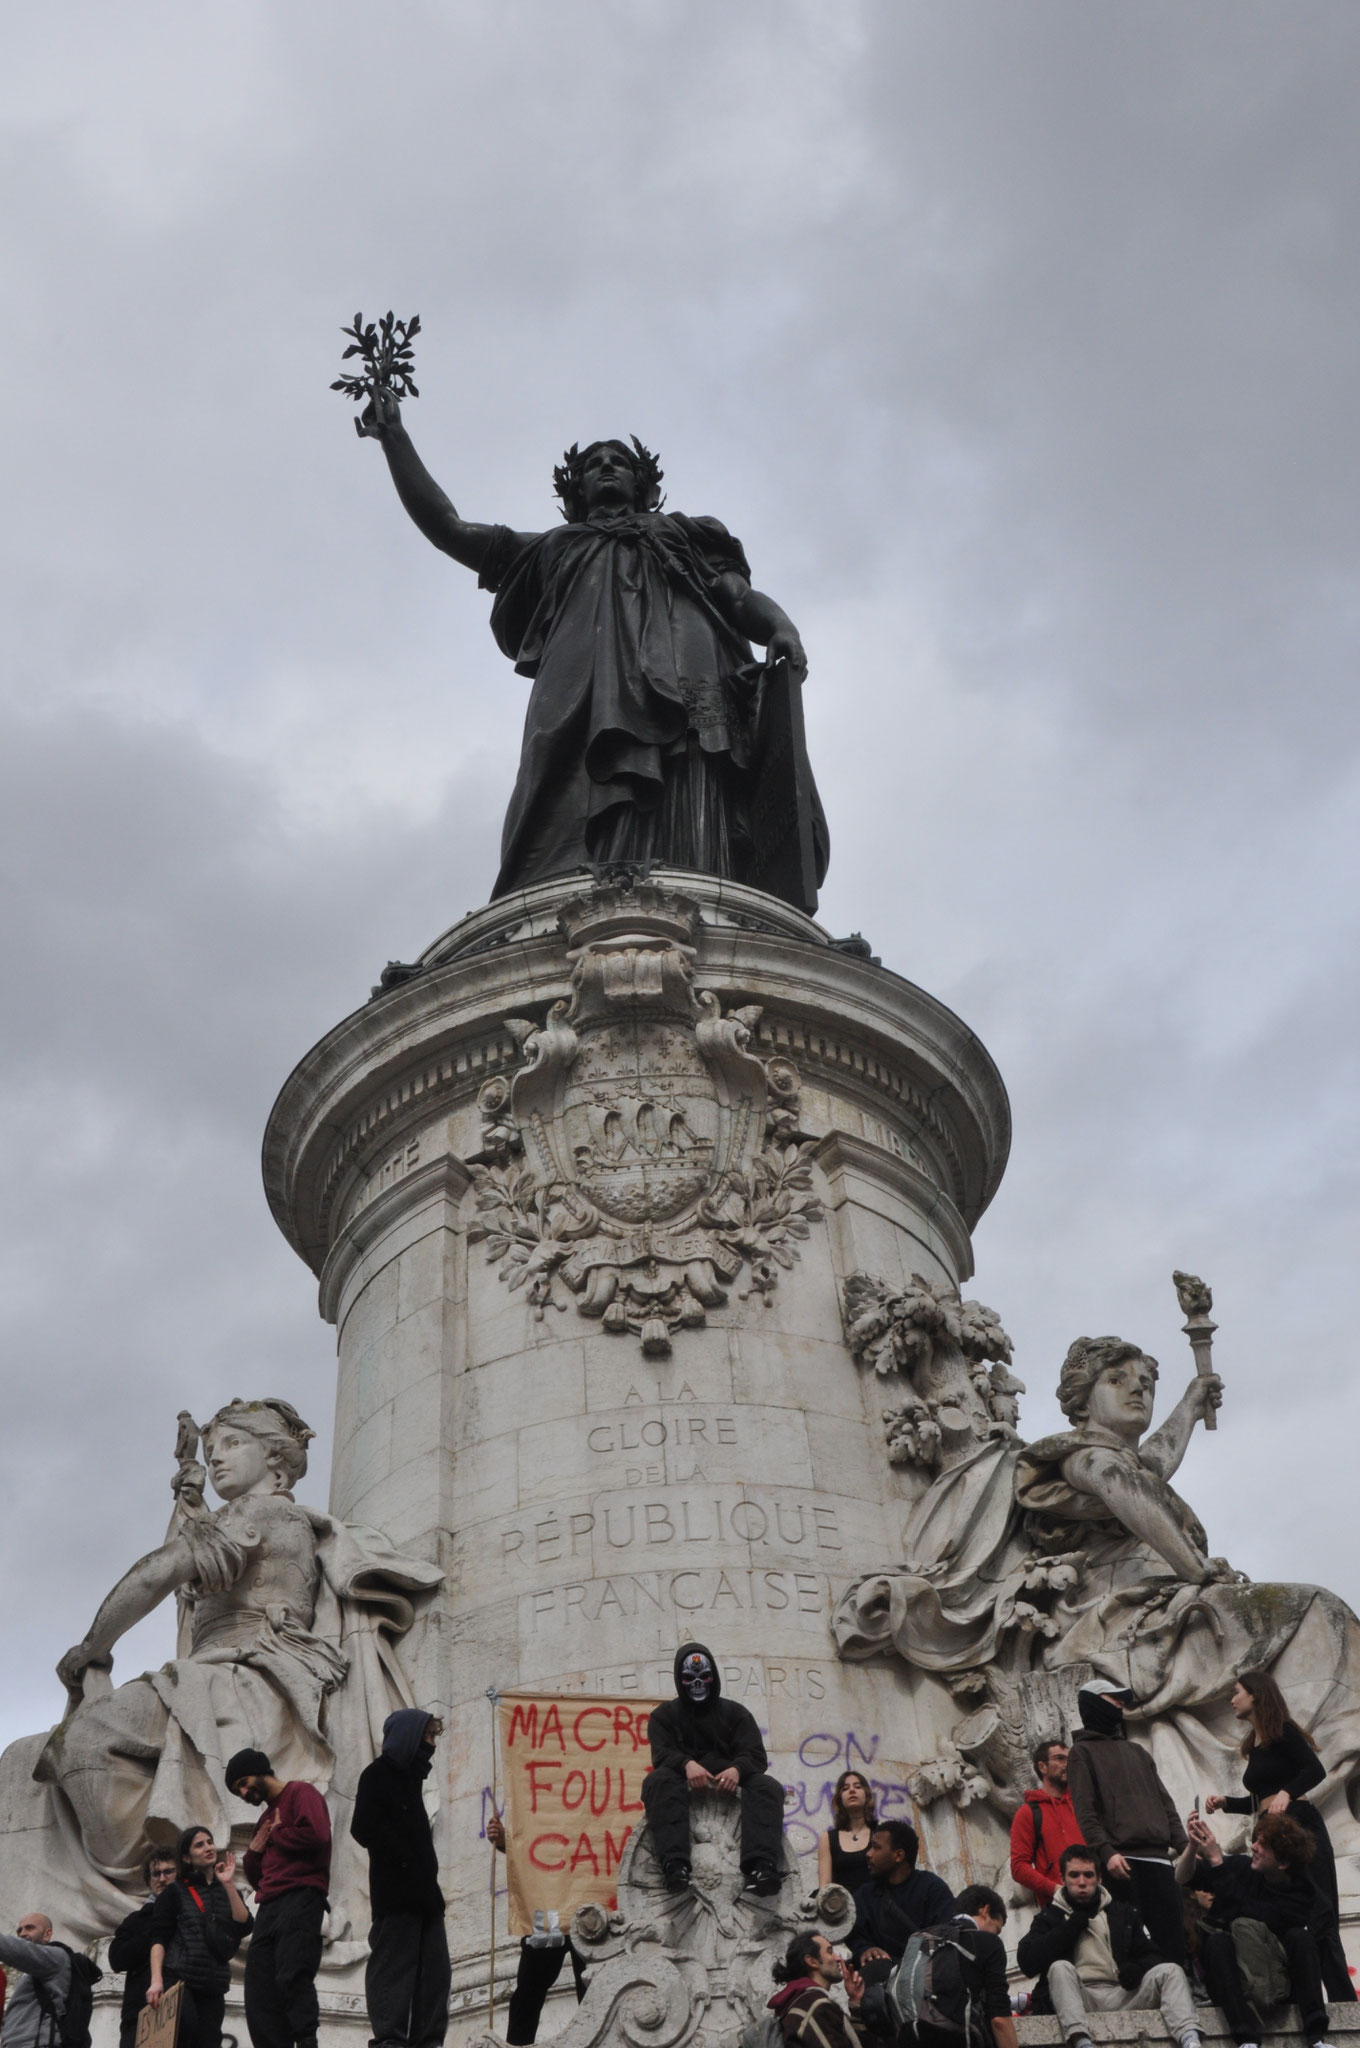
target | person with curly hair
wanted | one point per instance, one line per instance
(1271, 1888)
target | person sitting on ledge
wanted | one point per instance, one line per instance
(704, 1743)
(898, 1900)
(1092, 1953)
(1273, 1888)
(808, 2015)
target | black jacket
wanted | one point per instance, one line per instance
(391, 1823)
(1053, 1935)
(719, 1733)
(887, 1915)
(193, 1923)
(130, 1950)
(1284, 1902)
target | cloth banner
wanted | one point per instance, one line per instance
(574, 1765)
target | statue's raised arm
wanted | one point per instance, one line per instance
(652, 732)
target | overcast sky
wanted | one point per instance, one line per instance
(1020, 346)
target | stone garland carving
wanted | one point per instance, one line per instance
(689, 1970)
(643, 1156)
(939, 1348)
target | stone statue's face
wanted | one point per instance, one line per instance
(608, 478)
(1121, 1399)
(238, 1463)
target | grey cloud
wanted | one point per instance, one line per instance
(1018, 345)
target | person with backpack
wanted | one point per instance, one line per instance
(130, 1949)
(289, 1864)
(1092, 1953)
(950, 1990)
(898, 1900)
(1127, 1816)
(1044, 1825)
(1269, 1894)
(50, 1999)
(802, 2011)
(197, 1925)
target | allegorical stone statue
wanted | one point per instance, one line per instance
(287, 1620)
(1028, 1566)
(651, 734)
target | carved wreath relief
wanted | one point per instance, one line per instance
(643, 1155)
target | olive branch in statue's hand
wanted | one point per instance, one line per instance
(389, 360)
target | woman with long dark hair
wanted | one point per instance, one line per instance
(843, 1851)
(197, 1925)
(1282, 1768)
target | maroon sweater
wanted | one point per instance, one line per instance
(298, 1852)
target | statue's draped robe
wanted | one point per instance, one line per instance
(990, 1527)
(638, 737)
(309, 1685)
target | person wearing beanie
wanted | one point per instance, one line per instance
(704, 1743)
(1126, 1815)
(406, 1983)
(1091, 1953)
(289, 1864)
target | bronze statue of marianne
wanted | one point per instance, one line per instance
(652, 735)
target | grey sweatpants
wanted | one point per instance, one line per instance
(1164, 1986)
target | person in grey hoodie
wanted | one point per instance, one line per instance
(406, 1984)
(40, 1994)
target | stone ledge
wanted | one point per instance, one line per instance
(1284, 2031)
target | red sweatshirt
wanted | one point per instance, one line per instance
(298, 1852)
(1058, 1827)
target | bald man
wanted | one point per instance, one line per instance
(41, 1988)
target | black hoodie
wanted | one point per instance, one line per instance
(391, 1822)
(716, 1734)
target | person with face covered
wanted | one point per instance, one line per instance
(704, 1743)
(406, 1983)
(1127, 1816)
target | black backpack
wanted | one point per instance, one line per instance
(71, 2026)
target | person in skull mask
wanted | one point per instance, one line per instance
(704, 1743)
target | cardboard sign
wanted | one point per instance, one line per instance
(574, 1765)
(158, 2026)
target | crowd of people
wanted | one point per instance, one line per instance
(1138, 1909)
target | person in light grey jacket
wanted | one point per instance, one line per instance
(38, 1960)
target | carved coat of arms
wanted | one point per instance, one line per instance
(643, 1155)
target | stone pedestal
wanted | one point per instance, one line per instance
(582, 1195)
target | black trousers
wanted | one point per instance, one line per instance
(665, 1794)
(1336, 1976)
(1218, 1960)
(200, 2014)
(406, 1983)
(281, 1965)
(1154, 1891)
(539, 1969)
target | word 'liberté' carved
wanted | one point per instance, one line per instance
(683, 1521)
(643, 1157)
